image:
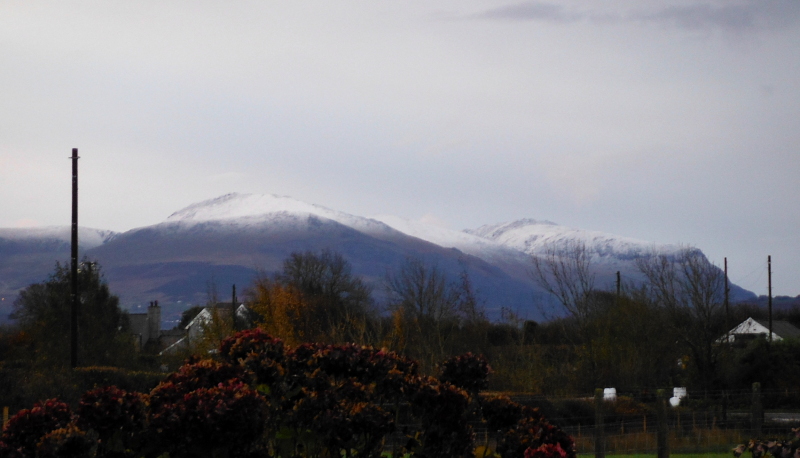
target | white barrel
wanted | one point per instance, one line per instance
(609, 394)
(679, 392)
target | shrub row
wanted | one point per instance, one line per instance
(260, 398)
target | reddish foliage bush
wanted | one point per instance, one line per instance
(229, 414)
(68, 442)
(546, 451)
(442, 409)
(320, 400)
(467, 371)
(190, 377)
(500, 413)
(260, 353)
(110, 410)
(27, 427)
(533, 432)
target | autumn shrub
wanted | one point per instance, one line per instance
(774, 447)
(205, 407)
(469, 372)
(522, 430)
(532, 432)
(258, 352)
(192, 376)
(335, 394)
(68, 442)
(442, 411)
(25, 429)
(116, 416)
(546, 451)
(229, 414)
(500, 413)
(261, 398)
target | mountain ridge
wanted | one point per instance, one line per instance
(233, 237)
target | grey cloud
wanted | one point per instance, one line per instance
(532, 11)
(755, 14)
(750, 15)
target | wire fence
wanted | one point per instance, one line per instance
(703, 422)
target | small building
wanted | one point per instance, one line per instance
(221, 311)
(751, 329)
(146, 329)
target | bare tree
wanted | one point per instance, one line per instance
(426, 309)
(423, 291)
(471, 309)
(564, 271)
(690, 289)
(338, 300)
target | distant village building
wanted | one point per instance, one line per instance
(150, 338)
(146, 329)
(751, 329)
(220, 311)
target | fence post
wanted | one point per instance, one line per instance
(757, 413)
(724, 409)
(5, 416)
(663, 427)
(599, 426)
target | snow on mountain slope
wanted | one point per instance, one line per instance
(87, 237)
(507, 243)
(533, 237)
(481, 247)
(248, 209)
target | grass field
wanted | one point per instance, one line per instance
(706, 443)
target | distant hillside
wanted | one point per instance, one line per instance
(28, 255)
(232, 238)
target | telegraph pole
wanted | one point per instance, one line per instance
(74, 276)
(727, 301)
(233, 308)
(769, 289)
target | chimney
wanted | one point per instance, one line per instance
(153, 323)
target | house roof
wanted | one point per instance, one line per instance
(174, 347)
(222, 307)
(780, 330)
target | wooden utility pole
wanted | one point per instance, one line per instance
(769, 291)
(662, 437)
(74, 273)
(599, 425)
(619, 284)
(756, 411)
(233, 308)
(727, 302)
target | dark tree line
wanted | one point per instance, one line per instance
(42, 314)
(660, 333)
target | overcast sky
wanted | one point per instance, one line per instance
(669, 121)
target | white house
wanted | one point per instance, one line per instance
(751, 329)
(221, 311)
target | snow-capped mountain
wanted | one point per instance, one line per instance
(511, 245)
(230, 239)
(252, 209)
(534, 237)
